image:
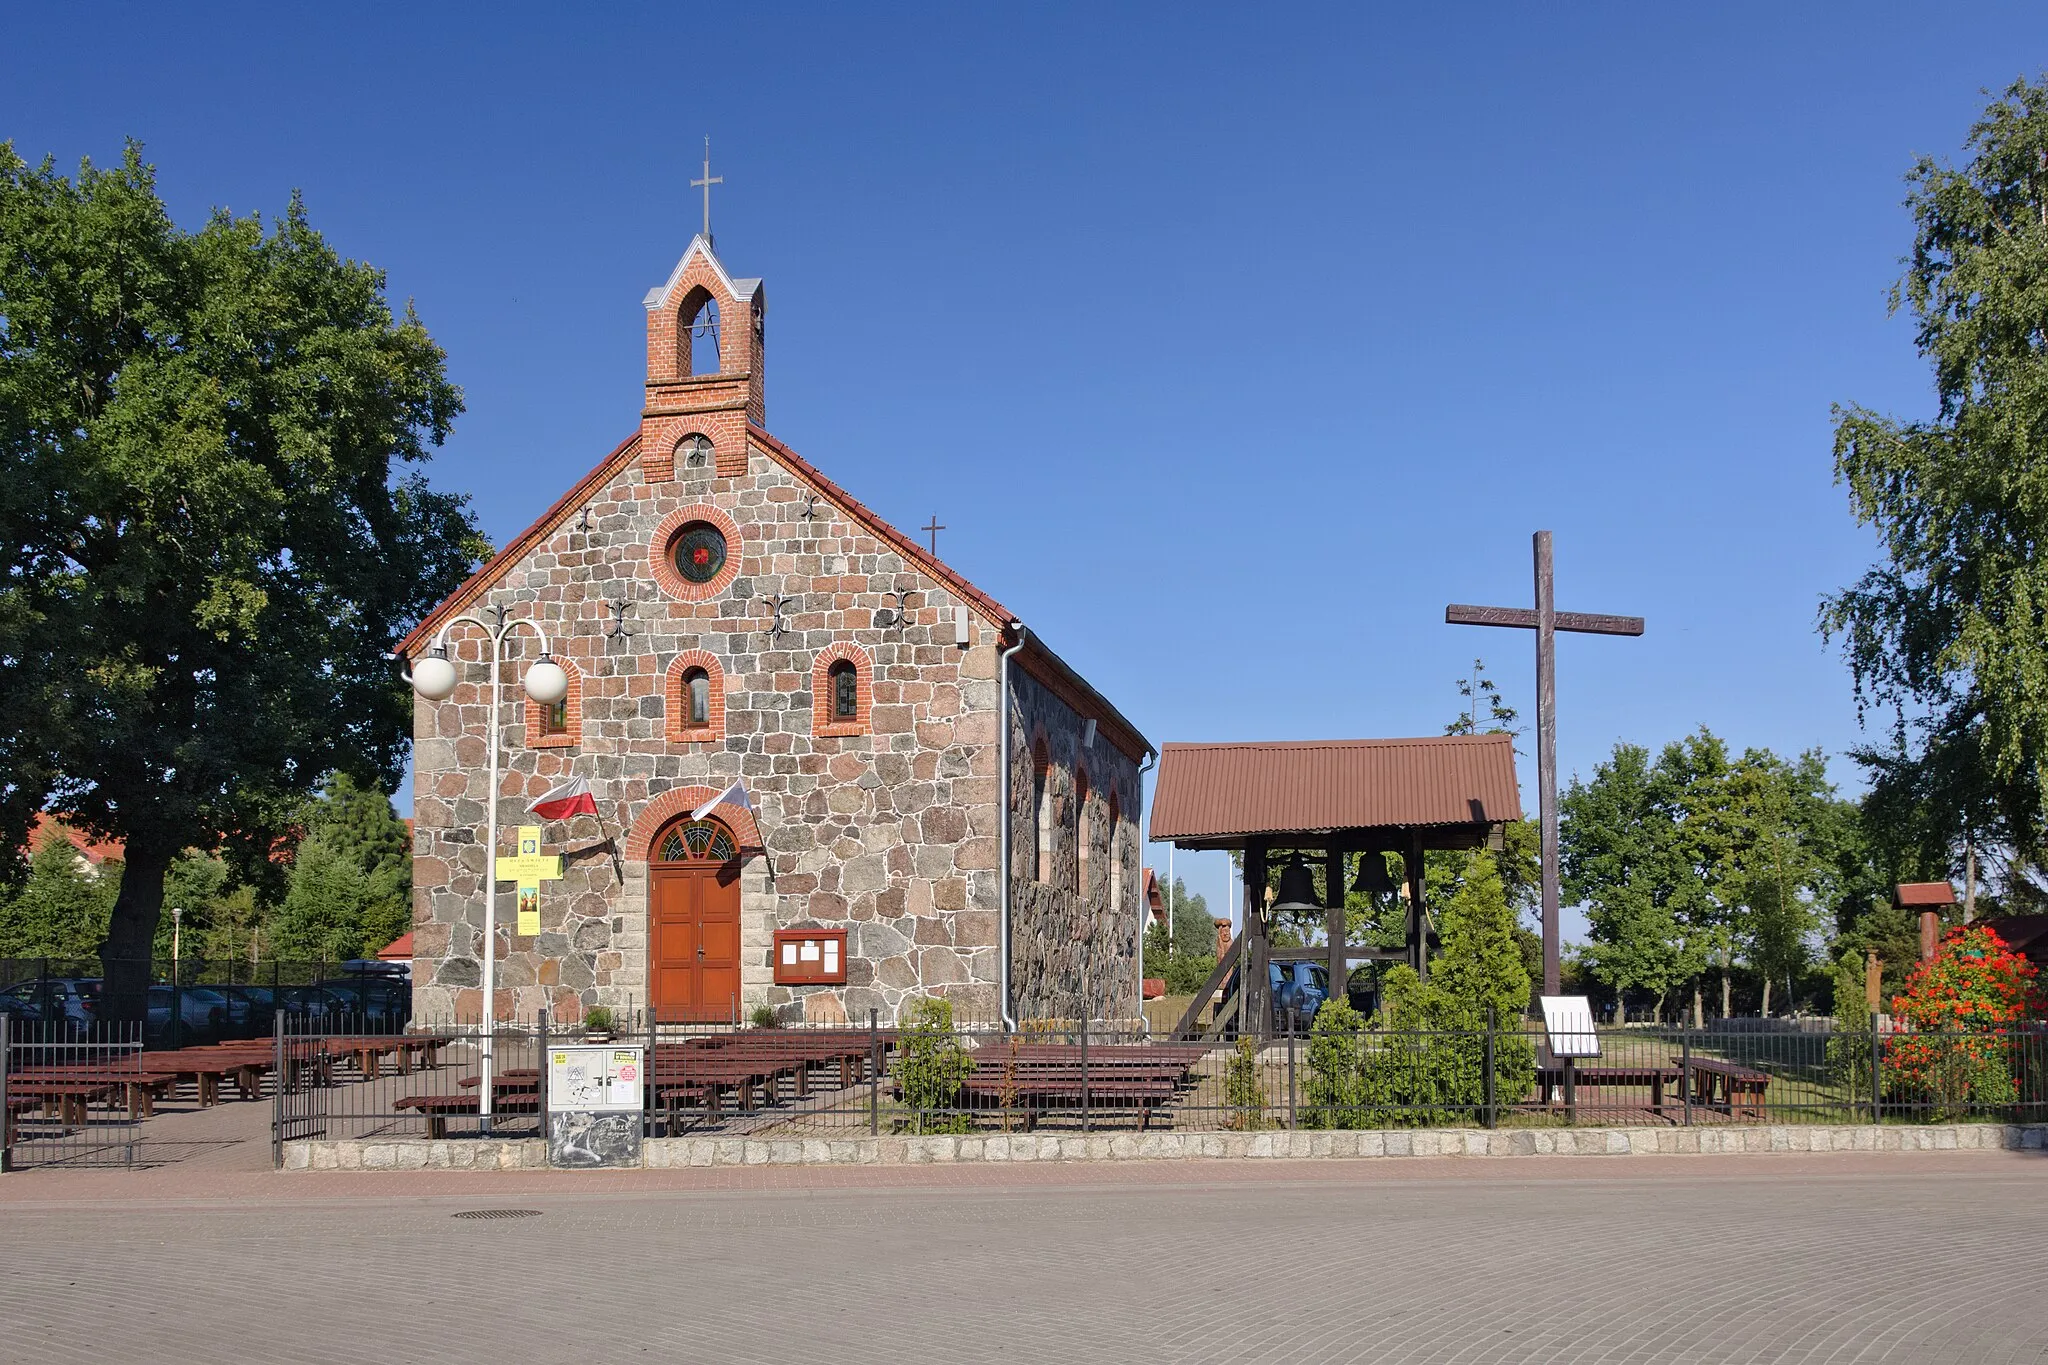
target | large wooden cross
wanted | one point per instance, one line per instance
(1545, 620)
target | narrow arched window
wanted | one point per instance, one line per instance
(1041, 811)
(845, 683)
(554, 717)
(694, 451)
(697, 695)
(703, 333)
(1084, 833)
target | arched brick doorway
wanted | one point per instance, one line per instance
(693, 922)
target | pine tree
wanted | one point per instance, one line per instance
(61, 910)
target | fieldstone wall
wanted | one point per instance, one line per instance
(1073, 946)
(891, 833)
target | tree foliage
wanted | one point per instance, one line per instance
(1686, 861)
(1947, 629)
(59, 910)
(211, 536)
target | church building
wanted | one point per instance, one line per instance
(935, 802)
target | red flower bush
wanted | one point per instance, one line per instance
(1958, 1010)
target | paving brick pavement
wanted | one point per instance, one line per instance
(1838, 1258)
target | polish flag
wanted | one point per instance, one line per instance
(570, 798)
(735, 795)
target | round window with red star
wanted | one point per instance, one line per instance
(698, 552)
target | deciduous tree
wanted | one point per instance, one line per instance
(211, 528)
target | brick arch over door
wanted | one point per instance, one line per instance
(681, 801)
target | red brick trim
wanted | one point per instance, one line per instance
(676, 802)
(570, 737)
(676, 703)
(823, 726)
(665, 575)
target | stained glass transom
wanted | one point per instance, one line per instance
(700, 841)
(699, 552)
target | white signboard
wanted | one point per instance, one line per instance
(592, 1079)
(1568, 1019)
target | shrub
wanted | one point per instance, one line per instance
(1244, 1092)
(932, 1067)
(1849, 1040)
(599, 1019)
(764, 1016)
(1960, 1009)
(1426, 1064)
(1331, 1094)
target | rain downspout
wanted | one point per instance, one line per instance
(1151, 761)
(1003, 853)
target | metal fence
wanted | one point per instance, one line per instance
(70, 1099)
(196, 1001)
(867, 1079)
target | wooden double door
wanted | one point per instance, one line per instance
(693, 913)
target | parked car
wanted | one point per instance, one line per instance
(73, 999)
(374, 1004)
(1300, 986)
(252, 1010)
(202, 1014)
(1303, 985)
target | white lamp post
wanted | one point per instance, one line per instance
(434, 679)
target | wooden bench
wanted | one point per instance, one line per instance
(1550, 1080)
(438, 1108)
(65, 1101)
(139, 1089)
(1735, 1090)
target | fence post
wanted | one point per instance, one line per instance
(1293, 1025)
(1876, 1062)
(1685, 1071)
(277, 1089)
(874, 1072)
(1084, 1068)
(1492, 1118)
(541, 1024)
(6, 1115)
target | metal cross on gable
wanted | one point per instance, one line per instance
(706, 183)
(1546, 620)
(933, 531)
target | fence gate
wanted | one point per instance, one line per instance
(71, 1097)
(300, 1097)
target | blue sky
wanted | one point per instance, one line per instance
(1230, 343)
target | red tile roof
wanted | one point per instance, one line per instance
(95, 851)
(1219, 795)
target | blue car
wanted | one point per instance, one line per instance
(1298, 986)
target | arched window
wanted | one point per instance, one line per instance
(1116, 855)
(1084, 834)
(842, 691)
(695, 699)
(701, 336)
(1041, 809)
(845, 688)
(560, 725)
(694, 451)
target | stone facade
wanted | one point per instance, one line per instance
(887, 824)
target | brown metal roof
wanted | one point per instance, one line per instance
(1925, 893)
(1215, 795)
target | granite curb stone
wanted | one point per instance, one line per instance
(417, 1154)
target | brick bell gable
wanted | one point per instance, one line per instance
(715, 405)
